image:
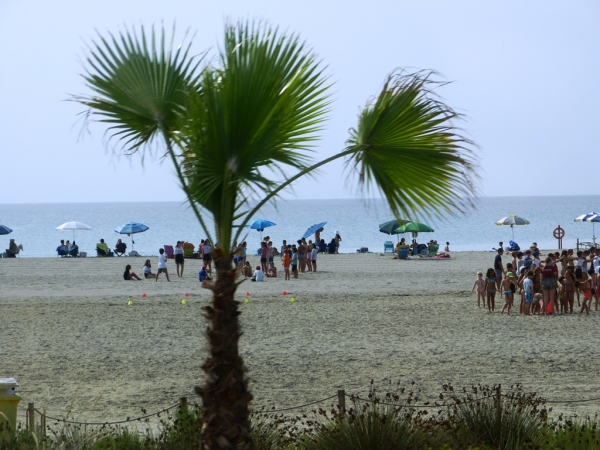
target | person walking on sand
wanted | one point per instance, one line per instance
(499, 268)
(206, 256)
(480, 285)
(162, 264)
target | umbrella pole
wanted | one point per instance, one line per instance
(513, 232)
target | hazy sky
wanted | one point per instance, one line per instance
(525, 74)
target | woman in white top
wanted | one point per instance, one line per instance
(179, 261)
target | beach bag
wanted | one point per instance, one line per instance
(82, 254)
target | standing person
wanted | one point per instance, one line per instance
(585, 288)
(338, 239)
(295, 262)
(162, 264)
(507, 284)
(301, 253)
(318, 234)
(569, 290)
(264, 251)
(179, 261)
(283, 248)
(480, 285)
(309, 247)
(313, 256)
(528, 288)
(549, 277)
(491, 289)
(206, 256)
(270, 253)
(447, 249)
(498, 268)
(287, 257)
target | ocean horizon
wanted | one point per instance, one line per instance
(357, 220)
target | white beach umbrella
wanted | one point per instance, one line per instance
(590, 217)
(511, 221)
(73, 226)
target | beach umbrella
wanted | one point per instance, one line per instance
(73, 226)
(130, 228)
(260, 225)
(512, 220)
(415, 228)
(310, 230)
(4, 230)
(391, 227)
(590, 217)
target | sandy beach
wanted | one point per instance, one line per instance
(75, 346)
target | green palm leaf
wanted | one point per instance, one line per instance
(255, 116)
(140, 85)
(406, 146)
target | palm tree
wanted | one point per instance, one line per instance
(241, 127)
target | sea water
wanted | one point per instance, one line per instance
(357, 220)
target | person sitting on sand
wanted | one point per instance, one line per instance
(331, 247)
(272, 272)
(74, 249)
(13, 249)
(247, 269)
(258, 274)
(203, 275)
(148, 270)
(128, 275)
(62, 249)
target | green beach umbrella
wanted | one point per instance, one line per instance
(391, 226)
(415, 228)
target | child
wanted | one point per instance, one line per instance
(247, 269)
(286, 263)
(528, 290)
(491, 289)
(202, 275)
(569, 290)
(447, 249)
(295, 262)
(258, 274)
(508, 285)
(283, 249)
(264, 253)
(128, 275)
(271, 252)
(162, 264)
(148, 270)
(272, 273)
(586, 290)
(480, 285)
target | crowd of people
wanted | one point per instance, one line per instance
(541, 285)
(294, 259)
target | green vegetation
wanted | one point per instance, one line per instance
(468, 419)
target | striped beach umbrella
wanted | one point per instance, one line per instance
(590, 217)
(511, 221)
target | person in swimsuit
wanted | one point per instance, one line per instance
(491, 289)
(586, 290)
(264, 252)
(498, 268)
(507, 288)
(569, 290)
(480, 285)
(301, 254)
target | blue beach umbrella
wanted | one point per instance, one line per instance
(310, 230)
(590, 217)
(260, 225)
(4, 230)
(132, 228)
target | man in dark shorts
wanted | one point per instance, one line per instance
(499, 268)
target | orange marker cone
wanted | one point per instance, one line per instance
(144, 295)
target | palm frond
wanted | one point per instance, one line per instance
(140, 85)
(407, 146)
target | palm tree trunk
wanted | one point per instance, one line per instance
(225, 396)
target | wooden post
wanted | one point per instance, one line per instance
(498, 403)
(31, 417)
(342, 401)
(43, 424)
(183, 405)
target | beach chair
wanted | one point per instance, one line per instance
(169, 251)
(388, 245)
(403, 253)
(433, 250)
(188, 250)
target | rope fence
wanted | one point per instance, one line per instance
(341, 404)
